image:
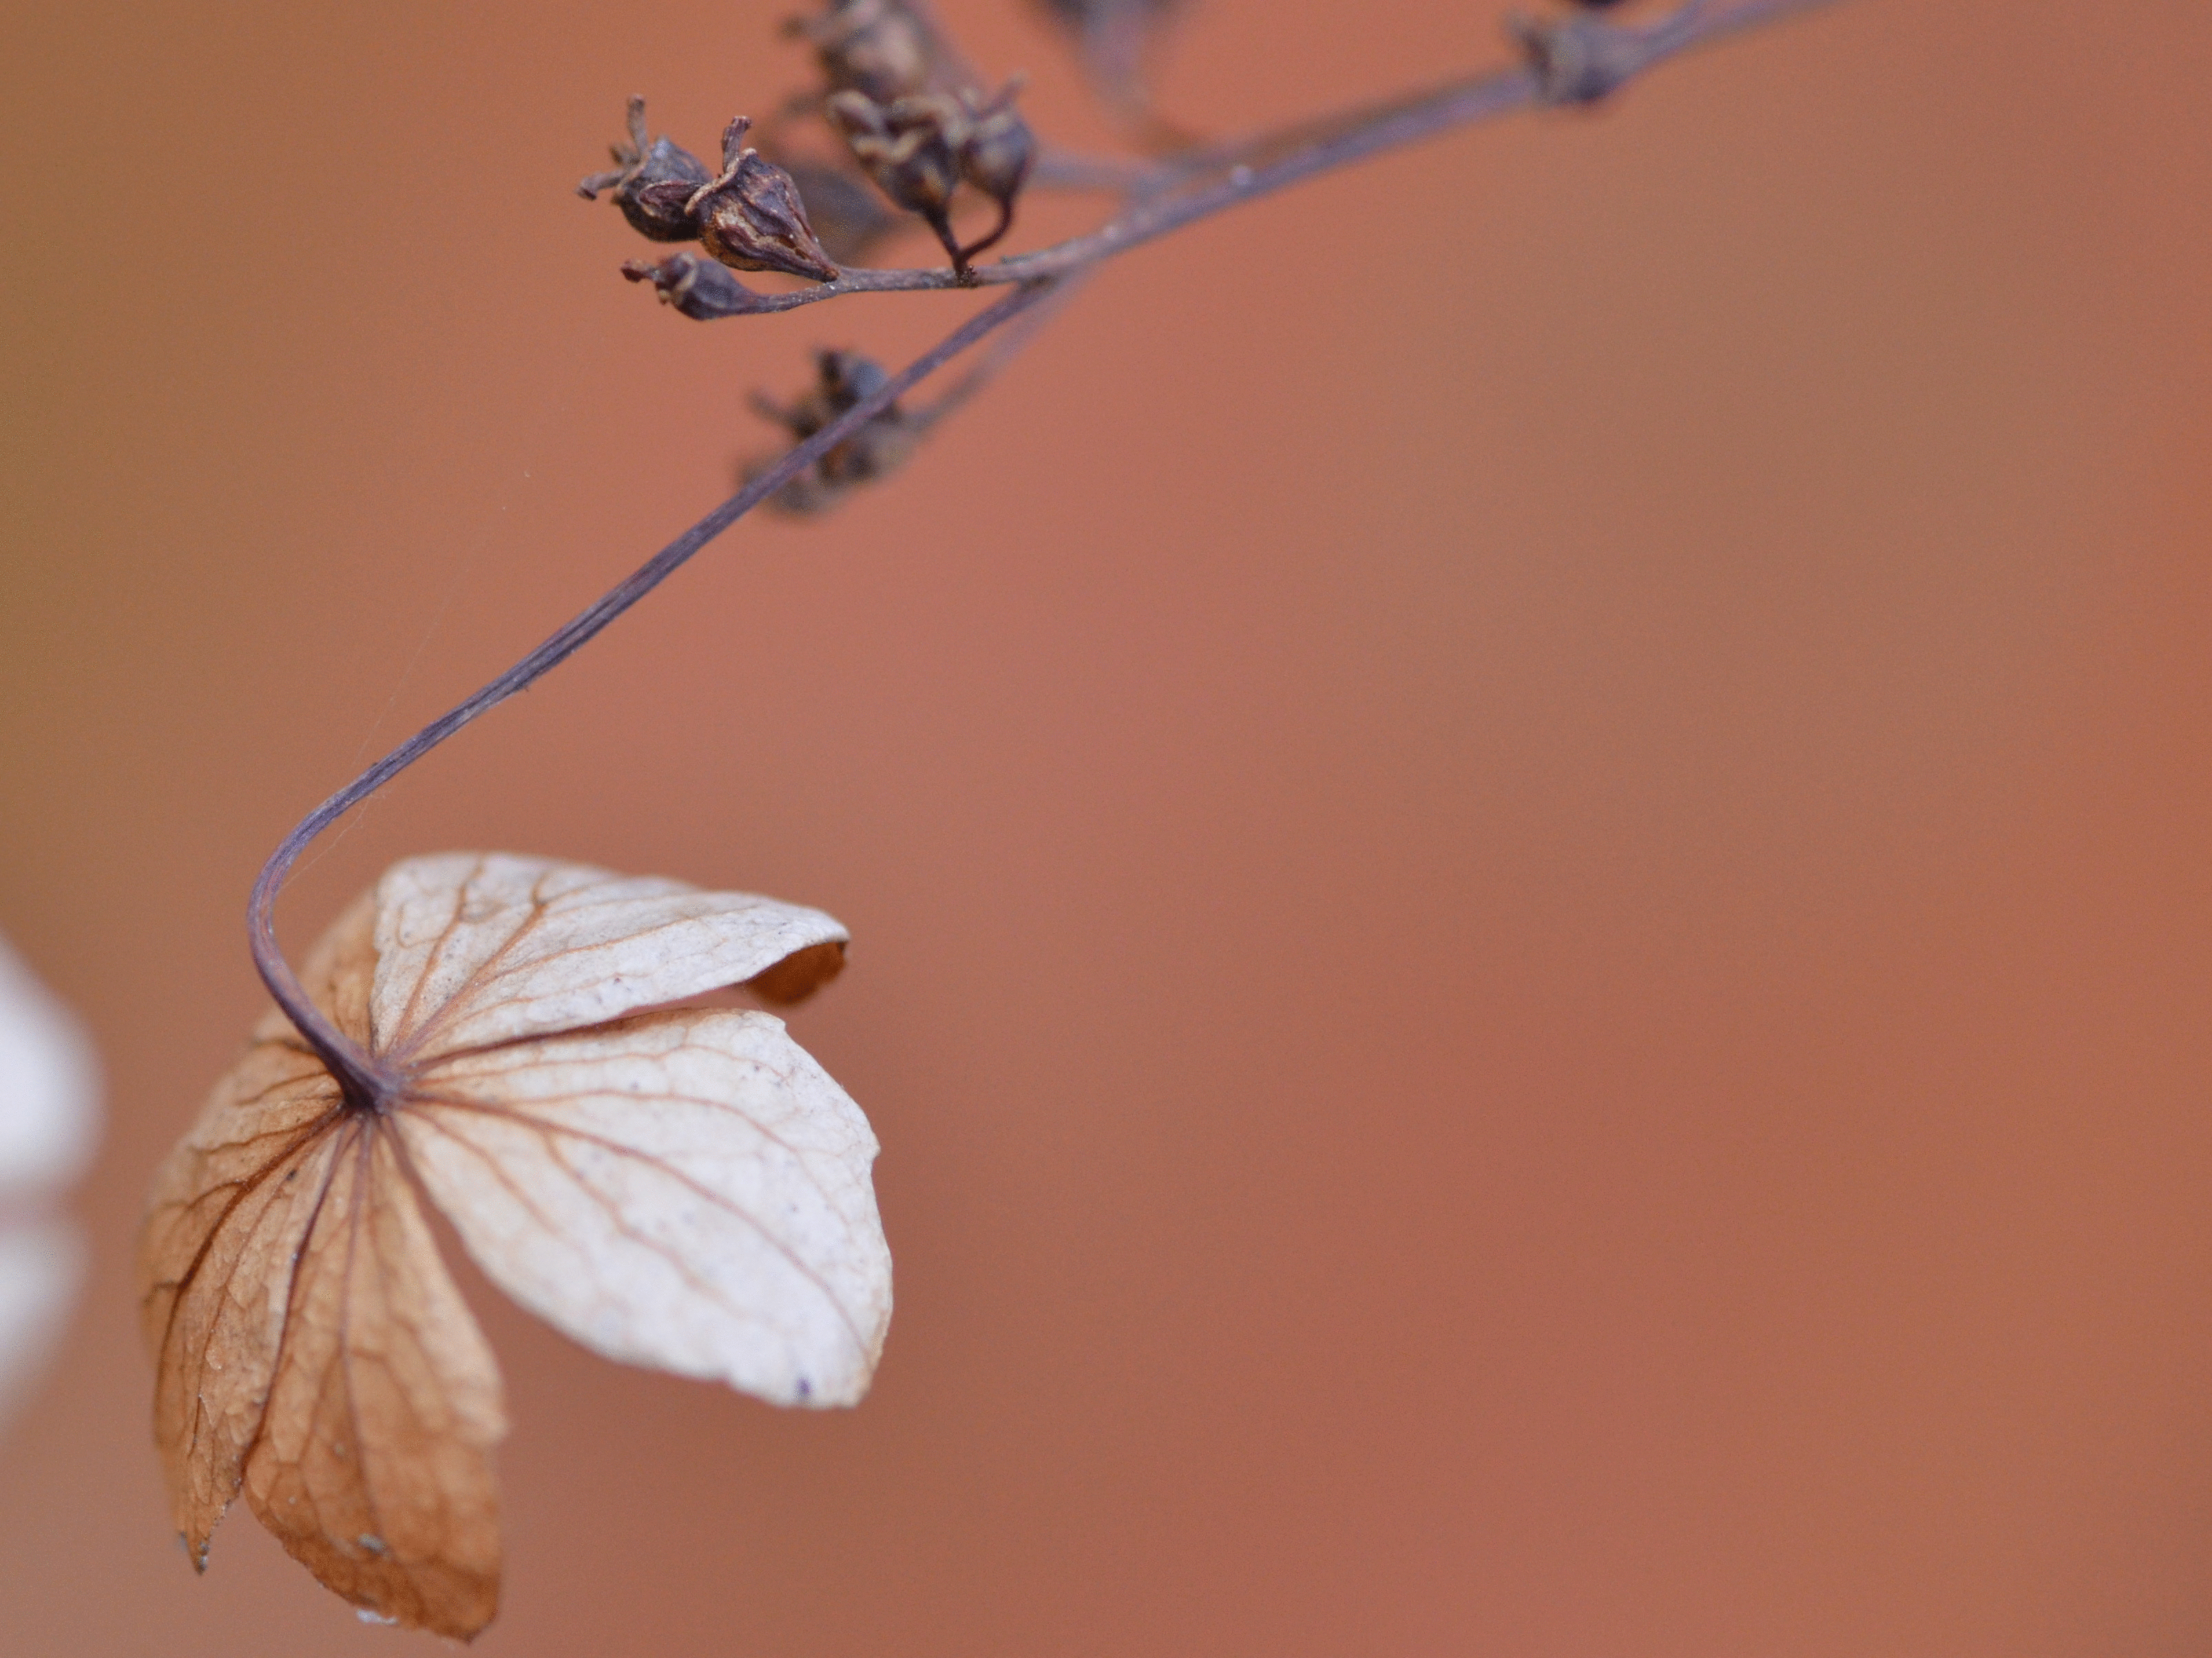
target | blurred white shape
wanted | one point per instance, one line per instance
(40, 1267)
(49, 1095)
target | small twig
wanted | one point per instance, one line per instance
(1159, 197)
(1201, 183)
(366, 1084)
(1103, 175)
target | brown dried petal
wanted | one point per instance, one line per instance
(372, 1463)
(684, 1189)
(799, 975)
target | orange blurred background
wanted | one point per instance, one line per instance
(1527, 831)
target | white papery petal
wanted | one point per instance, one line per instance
(49, 1086)
(684, 1190)
(40, 1267)
(479, 948)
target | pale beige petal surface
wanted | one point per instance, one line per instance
(48, 1100)
(688, 1190)
(474, 949)
(229, 1211)
(372, 1466)
(49, 1085)
(309, 1343)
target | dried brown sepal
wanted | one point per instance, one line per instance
(751, 217)
(684, 1189)
(653, 181)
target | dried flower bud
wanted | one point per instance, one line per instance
(909, 148)
(653, 183)
(843, 379)
(751, 217)
(699, 289)
(878, 47)
(918, 149)
(1580, 59)
(996, 152)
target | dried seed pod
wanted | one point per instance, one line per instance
(911, 148)
(653, 182)
(1581, 59)
(699, 289)
(878, 47)
(996, 153)
(751, 217)
(843, 379)
(919, 150)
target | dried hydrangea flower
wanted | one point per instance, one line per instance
(49, 1089)
(684, 1189)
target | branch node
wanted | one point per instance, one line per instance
(1583, 59)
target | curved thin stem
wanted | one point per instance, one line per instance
(1160, 199)
(1073, 172)
(996, 234)
(367, 1083)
